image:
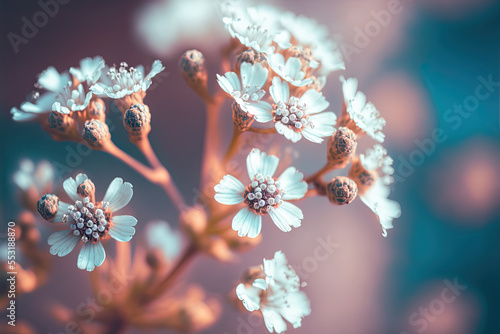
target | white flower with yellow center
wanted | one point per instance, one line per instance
(264, 195)
(88, 221)
(276, 293)
(365, 116)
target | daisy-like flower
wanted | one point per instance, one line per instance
(88, 221)
(247, 90)
(372, 173)
(360, 116)
(295, 117)
(255, 27)
(275, 291)
(264, 195)
(290, 70)
(51, 82)
(124, 80)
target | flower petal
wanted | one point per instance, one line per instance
(286, 215)
(260, 162)
(91, 256)
(246, 223)
(229, 191)
(291, 180)
(70, 186)
(62, 242)
(122, 228)
(118, 194)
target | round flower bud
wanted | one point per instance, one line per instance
(341, 147)
(364, 179)
(241, 118)
(341, 190)
(305, 55)
(194, 72)
(95, 133)
(137, 121)
(47, 206)
(86, 189)
(251, 56)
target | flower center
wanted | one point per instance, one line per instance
(292, 114)
(124, 76)
(88, 220)
(263, 194)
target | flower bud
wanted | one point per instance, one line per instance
(86, 189)
(61, 126)
(250, 56)
(341, 190)
(96, 133)
(241, 118)
(364, 179)
(137, 121)
(47, 206)
(341, 147)
(96, 109)
(194, 72)
(305, 55)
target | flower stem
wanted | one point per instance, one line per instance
(209, 160)
(319, 174)
(158, 175)
(263, 131)
(233, 146)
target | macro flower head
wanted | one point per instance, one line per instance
(297, 117)
(274, 289)
(264, 195)
(372, 173)
(358, 115)
(87, 220)
(245, 89)
(124, 82)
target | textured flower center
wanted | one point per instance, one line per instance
(89, 220)
(292, 114)
(124, 77)
(248, 92)
(263, 194)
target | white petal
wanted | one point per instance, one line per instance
(61, 210)
(315, 101)
(291, 180)
(273, 320)
(279, 91)
(261, 110)
(246, 222)
(260, 162)
(286, 215)
(70, 186)
(91, 256)
(122, 228)
(287, 132)
(62, 242)
(118, 194)
(229, 191)
(249, 297)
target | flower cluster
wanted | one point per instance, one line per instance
(70, 105)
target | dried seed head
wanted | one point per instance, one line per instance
(96, 133)
(341, 190)
(194, 72)
(251, 56)
(137, 121)
(86, 189)
(341, 147)
(241, 118)
(47, 206)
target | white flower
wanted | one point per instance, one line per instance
(376, 196)
(309, 33)
(52, 82)
(89, 71)
(247, 90)
(118, 83)
(289, 70)
(264, 195)
(295, 117)
(161, 236)
(276, 294)
(255, 27)
(90, 222)
(72, 100)
(41, 177)
(364, 114)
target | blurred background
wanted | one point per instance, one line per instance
(431, 67)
